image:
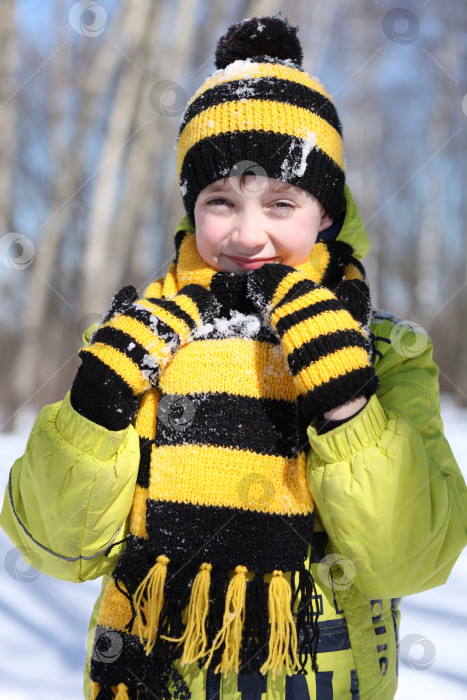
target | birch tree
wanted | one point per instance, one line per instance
(8, 83)
(70, 169)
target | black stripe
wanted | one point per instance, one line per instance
(117, 659)
(173, 308)
(270, 89)
(111, 402)
(314, 350)
(262, 426)
(298, 289)
(308, 311)
(145, 451)
(125, 343)
(359, 266)
(359, 382)
(146, 316)
(226, 537)
(179, 237)
(323, 177)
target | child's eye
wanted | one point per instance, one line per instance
(283, 206)
(218, 201)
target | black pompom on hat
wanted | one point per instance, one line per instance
(269, 36)
(261, 112)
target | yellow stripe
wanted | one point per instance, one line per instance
(276, 117)
(239, 366)
(170, 286)
(177, 324)
(187, 304)
(138, 512)
(115, 611)
(141, 333)
(318, 262)
(352, 272)
(125, 368)
(145, 423)
(248, 70)
(191, 268)
(314, 296)
(217, 476)
(154, 290)
(320, 325)
(330, 367)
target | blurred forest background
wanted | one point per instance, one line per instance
(91, 96)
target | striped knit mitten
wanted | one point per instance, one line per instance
(133, 344)
(327, 349)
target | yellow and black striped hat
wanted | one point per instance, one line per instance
(260, 112)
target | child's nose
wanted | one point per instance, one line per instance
(249, 234)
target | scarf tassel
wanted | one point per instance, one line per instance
(122, 692)
(194, 637)
(307, 619)
(232, 625)
(283, 635)
(151, 588)
(95, 689)
(119, 692)
(256, 630)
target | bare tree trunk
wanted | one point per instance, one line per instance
(43, 271)
(140, 184)
(426, 293)
(70, 166)
(104, 198)
(431, 223)
(8, 79)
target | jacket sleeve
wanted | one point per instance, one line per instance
(69, 496)
(386, 485)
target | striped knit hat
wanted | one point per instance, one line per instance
(261, 113)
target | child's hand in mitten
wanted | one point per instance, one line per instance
(136, 340)
(327, 350)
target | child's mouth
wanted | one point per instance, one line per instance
(250, 263)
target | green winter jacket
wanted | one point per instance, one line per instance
(388, 492)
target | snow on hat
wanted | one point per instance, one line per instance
(261, 113)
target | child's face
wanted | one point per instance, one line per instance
(241, 225)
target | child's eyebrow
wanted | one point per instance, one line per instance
(279, 186)
(275, 186)
(217, 185)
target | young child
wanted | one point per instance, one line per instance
(273, 459)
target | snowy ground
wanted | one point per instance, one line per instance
(43, 621)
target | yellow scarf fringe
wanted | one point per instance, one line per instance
(233, 621)
(95, 690)
(195, 637)
(122, 692)
(152, 586)
(283, 630)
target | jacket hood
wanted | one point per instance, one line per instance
(352, 230)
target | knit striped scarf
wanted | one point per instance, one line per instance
(221, 511)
